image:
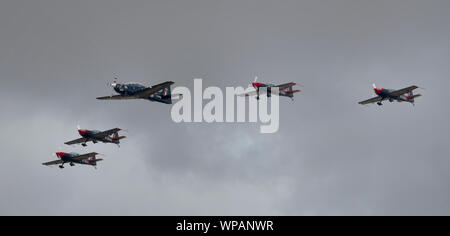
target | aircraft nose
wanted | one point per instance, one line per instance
(60, 154)
(82, 132)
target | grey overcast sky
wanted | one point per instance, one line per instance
(331, 156)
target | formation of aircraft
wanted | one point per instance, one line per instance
(95, 136)
(74, 158)
(157, 93)
(401, 95)
(162, 93)
(285, 90)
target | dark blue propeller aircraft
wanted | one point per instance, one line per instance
(158, 93)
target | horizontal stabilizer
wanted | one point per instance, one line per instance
(293, 91)
(416, 96)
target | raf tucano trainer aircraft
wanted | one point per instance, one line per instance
(158, 93)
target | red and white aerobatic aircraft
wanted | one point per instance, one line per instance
(95, 136)
(401, 95)
(74, 158)
(285, 90)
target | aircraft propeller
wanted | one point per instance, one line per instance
(254, 81)
(59, 149)
(114, 83)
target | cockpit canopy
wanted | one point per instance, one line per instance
(129, 88)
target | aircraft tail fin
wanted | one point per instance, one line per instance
(411, 96)
(116, 137)
(166, 95)
(93, 161)
(289, 92)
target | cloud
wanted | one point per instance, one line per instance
(331, 156)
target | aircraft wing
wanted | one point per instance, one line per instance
(372, 100)
(285, 86)
(252, 93)
(77, 141)
(404, 91)
(117, 97)
(262, 91)
(107, 133)
(85, 156)
(57, 162)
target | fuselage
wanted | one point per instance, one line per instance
(130, 89)
(68, 158)
(386, 94)
(284, 93)
(90, 135)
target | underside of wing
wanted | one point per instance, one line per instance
(57, 162)
(246, 94)
(118, 97)
(404, 91)
(76, 141)
(153, 89)
(372, 100)
(252, 93)
(85, 156)
(106, 133)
